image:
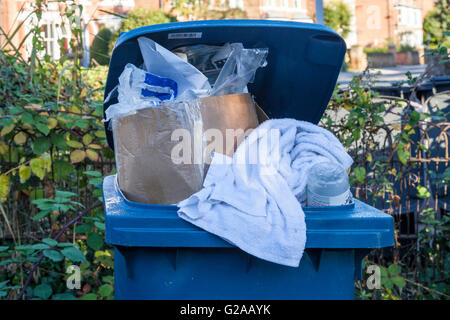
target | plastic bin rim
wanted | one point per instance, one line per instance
(173, 26)
(323, 209)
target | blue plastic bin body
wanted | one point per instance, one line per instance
(160, 256)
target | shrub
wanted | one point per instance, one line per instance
(53, 155)
(139, 18)
(406, 48)
(144, 17)
(100, 46)
(337, 16)
(376, 50)
(436, 23)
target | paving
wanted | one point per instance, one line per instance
(386, 76)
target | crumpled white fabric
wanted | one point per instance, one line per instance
(253, 199)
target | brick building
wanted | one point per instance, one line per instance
(374, 22)
(381, 21)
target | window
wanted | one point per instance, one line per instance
(51, 33)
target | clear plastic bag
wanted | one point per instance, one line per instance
(239, 70)
(207, 59)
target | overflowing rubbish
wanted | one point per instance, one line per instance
(161, 121)
(255, 205)
(248, 192)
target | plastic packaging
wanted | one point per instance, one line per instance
(163, 63)
(172, 97)
(239, 70)
(207, 59)
(327, 185)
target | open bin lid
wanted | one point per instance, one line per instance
(303, 63)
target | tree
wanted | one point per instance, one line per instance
(199, 10)
(436, 23)
(100, 46)
(337, 16)
(139, 18)
(144, 17)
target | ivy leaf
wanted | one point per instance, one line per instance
(40, 215)
(42, 128)
(84, 228)
(40, 145)
(100, 225)
(95, 146)
(77, 156)
(74, 254)
(40, 246)
(53, 255)
(52, 123)
(65, 194)
(93, 173)
(51, 242)
(415, 117)
(3, 148)
(74, 144)
(394, 269)
(24, 173)
(95, 241)
(59, 141)
(403, 153)
(92, 155)
(43, 291)
(27, 118)
(398, 281)
(423, 192)
(63, 168)
(87, 139)
(20, 138)
(105, 290)
(4, 187)
(89, 296)
(100, 134)
(37, 166)
(63, 296)
(6, 130)
(360, 174)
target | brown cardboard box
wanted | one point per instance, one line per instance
(144, 145)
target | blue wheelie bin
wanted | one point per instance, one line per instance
(157, 255)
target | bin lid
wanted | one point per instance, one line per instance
(144, 225)
(303, 63)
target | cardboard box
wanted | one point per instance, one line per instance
(150, 157)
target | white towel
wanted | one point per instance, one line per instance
(252, 199)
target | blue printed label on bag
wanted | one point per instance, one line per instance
(158, 87)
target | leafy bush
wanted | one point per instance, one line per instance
(53, 155)
(139, 18)
(100, 46)
(381, 136)
(436, 23)
(376, 50)
(337, 16)
(144, 17)
(406, 48)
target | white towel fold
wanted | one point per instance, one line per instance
(252, 199)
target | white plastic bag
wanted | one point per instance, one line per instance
(163, 63)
